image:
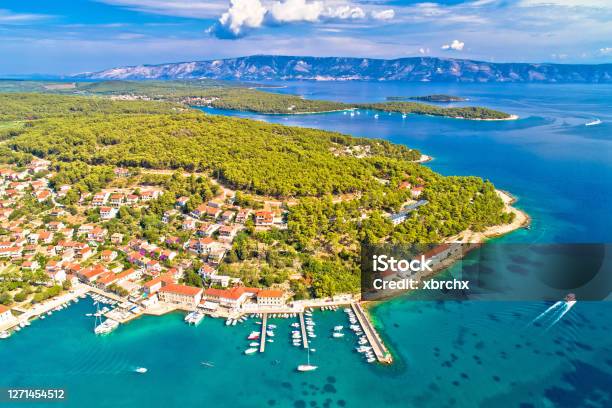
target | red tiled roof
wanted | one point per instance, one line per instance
(181, 289)
(233, 293)
(270, 293)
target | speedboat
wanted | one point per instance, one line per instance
(338, 328)
(570, 299)
(249, 351)
(5, 335)
(253, 336)
(141, 370)
(593, 123)
(338, 334)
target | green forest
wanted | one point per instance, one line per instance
(31, 106)
(84, 140)
(247, 155)
(229, 96)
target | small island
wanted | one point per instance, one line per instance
(438, 98)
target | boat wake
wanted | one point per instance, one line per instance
(553, 314)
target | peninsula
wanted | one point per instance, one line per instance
(143, 199)
(240, 97)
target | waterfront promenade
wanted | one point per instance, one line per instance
(43, 308)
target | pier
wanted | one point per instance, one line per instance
(264, 327)
(380, 351)
(303, 328)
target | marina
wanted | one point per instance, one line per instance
(112, 311)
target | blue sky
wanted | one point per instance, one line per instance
(71, 36)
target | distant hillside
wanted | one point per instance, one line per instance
(418, 69)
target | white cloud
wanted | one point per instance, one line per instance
(296, 10)
(605, 51)
(568, 3)
(247, 14)
(345, 12)
(424, 50)
(241, 16)
(291, 11)
(383, 14)
(455, 45)
(8, 17)
(180, 8)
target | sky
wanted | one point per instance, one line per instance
(73, 36)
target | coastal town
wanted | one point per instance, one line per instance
(66, 254)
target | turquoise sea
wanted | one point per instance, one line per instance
(447, 354)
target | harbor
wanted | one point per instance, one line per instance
(112, 311)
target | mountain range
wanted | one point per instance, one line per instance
(413, 69)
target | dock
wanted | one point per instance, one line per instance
(264, 327)
(303, 328)
(380, 351)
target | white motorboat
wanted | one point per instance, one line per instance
(338, 334)
(250, 351)
(5, 335)
(106, 327)
(141, 370)
(593, 123)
